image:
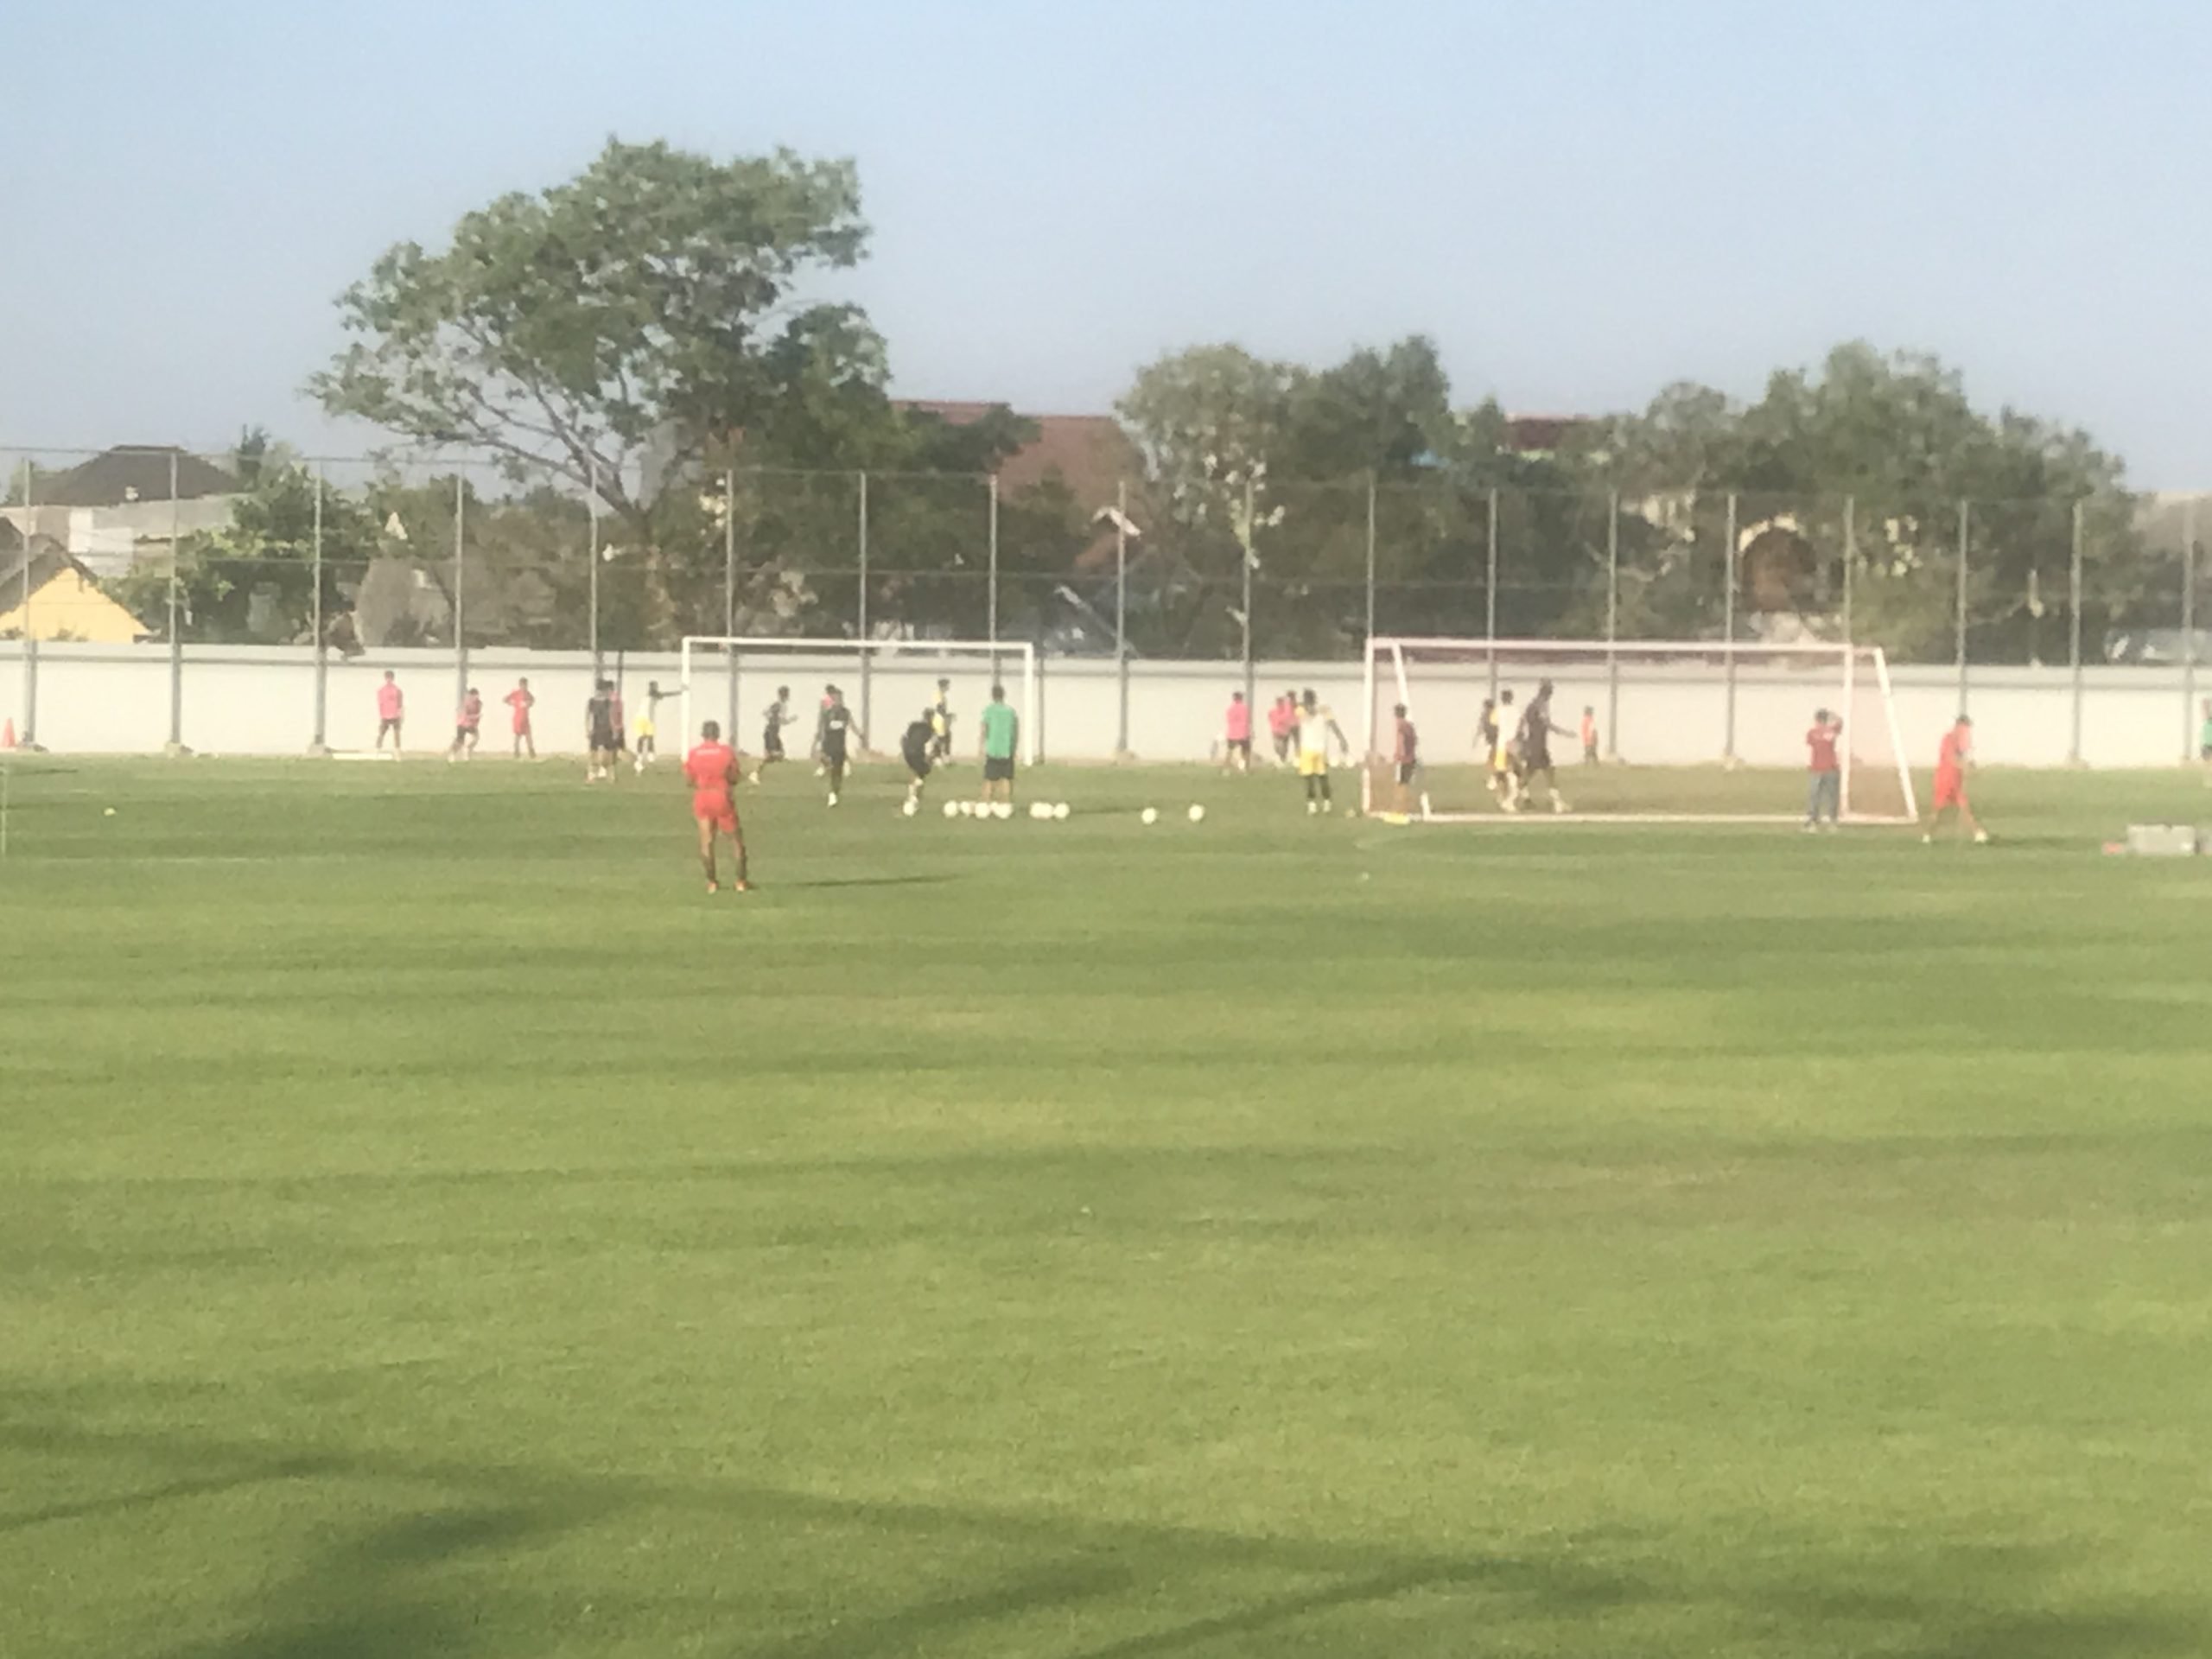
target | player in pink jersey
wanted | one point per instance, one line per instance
(391, 709)
(1236, 733)
(522, 700)
(711, 769)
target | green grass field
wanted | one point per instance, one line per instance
(429, 1226)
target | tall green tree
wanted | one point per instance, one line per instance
(616, 330)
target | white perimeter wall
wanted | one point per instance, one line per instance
(239, 700)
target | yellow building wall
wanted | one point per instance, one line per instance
(67, 607)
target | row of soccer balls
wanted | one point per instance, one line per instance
(1043, 811)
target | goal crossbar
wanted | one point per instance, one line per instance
(1851, 680)
(986, 660)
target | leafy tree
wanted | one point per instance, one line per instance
(618, 330)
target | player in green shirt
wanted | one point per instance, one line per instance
(1001, 733)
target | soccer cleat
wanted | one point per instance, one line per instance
(833, 800)
(1558, 805)
(714, 886)
(1312, 809)
(741, 886)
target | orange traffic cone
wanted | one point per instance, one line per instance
(7, 735)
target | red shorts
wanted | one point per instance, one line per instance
(1950, 790)
(716, 809)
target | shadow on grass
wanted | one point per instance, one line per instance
(1112, 1590)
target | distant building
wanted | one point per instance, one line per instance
(114, 510)
(46, 595)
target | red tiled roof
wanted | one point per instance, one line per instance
(1090, 454)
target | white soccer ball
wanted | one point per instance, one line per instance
(952, 807)
(1039, 811)
(1197, 814)
(910, 807)
(1003, 810)
(1150, 814)
(1061, 810)
(966, 809)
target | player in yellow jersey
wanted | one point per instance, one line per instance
(1317, 727)
(1504, 773)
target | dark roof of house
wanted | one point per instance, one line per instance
(1537, 435)
(135, 472)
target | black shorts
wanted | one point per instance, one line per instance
(1241, 746)
(1535, 759)
(919, 764)
(383, 726)
(833, 760)
(771, 745)
(463, 734)
(998, 769)
(1406, 773)
(603, 740)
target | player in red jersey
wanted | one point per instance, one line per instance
(1951, 781)
(522, 700)
(711, 769)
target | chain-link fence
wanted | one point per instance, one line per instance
(348, 560)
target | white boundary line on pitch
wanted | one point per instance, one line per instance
(1620, 820)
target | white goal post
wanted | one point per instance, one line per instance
(1675, 720)
(886, 682)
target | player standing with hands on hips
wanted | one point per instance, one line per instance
(1824, 774)
(711, 769)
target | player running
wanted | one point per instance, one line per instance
(1406, 757)
(521, 701)
(831, 733)
(1824, 774)
(711, 769)
(1236, 735)
(778, 716)
(1535, 744)
(648, 750)
(1486, 742)
(1001, 742)
(1950, 794)
(602, 734)
(918, 748)
(466, 724)
(1316, 727)
(392, 709)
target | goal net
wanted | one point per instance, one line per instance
(886, 684)
(1692, 732)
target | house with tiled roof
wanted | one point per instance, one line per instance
(125, 504)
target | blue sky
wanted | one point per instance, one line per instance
(1580, 202)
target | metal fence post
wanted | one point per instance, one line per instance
(860, 608)
(2074, 635)
(1122, 614)
(1728, 634)
(1613, 624)
(1850, 561)
(320, 743)
(1370, 557)
(1966, 514)
(460, 585)
(2188, 629)
(1244, 548)
(176, 639)
(729, 604)
(591, 622)
(28, 737)
(1489, 598)
(991, 599)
